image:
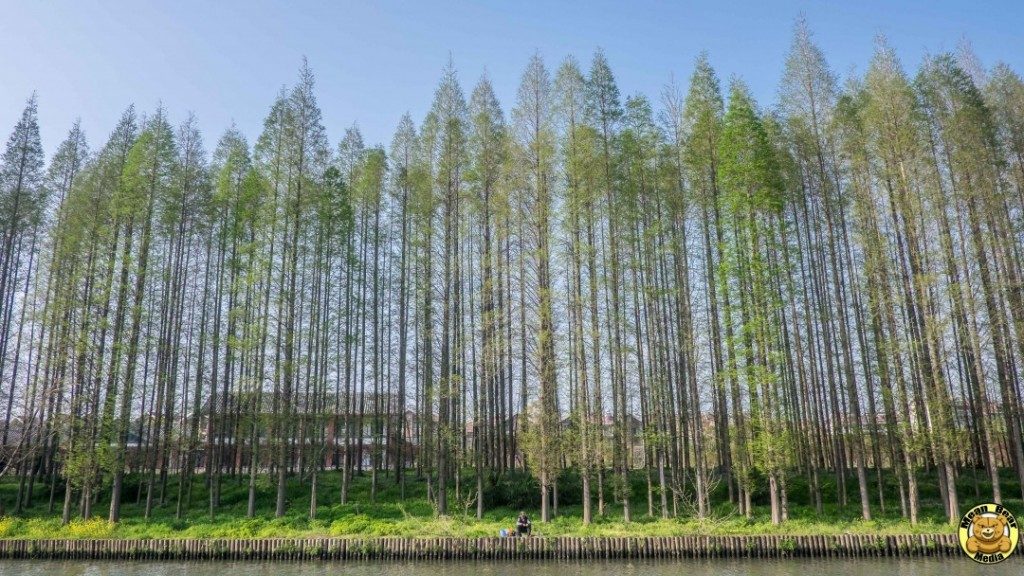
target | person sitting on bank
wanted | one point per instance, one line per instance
(523, 525)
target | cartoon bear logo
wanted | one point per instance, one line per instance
(988, 533)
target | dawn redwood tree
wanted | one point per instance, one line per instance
(488, 151)
(22, 201)
(585, 290)
(752, 201)
(535, 150)
(148, 172)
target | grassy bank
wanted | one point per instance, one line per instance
(413, 516)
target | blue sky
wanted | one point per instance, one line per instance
(225, 61)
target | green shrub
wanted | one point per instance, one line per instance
(787, 545)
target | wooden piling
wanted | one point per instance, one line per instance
(562, 548)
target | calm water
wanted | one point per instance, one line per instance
(957, 567)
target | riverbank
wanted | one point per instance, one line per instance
(391, 520)
(921, 566)
(531, 548)
(392, 513)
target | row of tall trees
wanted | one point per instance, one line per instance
(695, 291)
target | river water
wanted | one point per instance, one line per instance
(798, 567)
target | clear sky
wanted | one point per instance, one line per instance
(226, 60)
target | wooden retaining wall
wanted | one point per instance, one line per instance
(535, 548)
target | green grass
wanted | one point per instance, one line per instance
(413, 515)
